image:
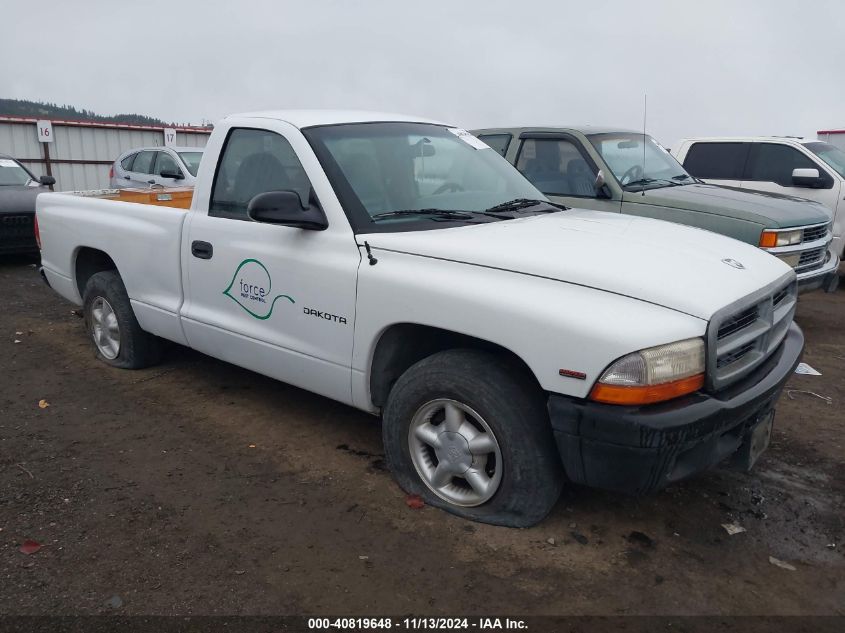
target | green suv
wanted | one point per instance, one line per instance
(629, 172)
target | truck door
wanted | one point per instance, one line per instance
(770, 167)
(717, 163)
(275, 299)
(561, 168)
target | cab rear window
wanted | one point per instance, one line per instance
(498, 142)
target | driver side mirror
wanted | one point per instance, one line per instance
(47, 180)
(602, 190)
(807, 177)
(176, 175)
(286, 208)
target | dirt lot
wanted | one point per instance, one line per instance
(196, 487)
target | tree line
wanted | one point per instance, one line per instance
(46, 110)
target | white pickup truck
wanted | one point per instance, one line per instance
(401, 266)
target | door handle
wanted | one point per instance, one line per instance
(127, 178)
(202, 250)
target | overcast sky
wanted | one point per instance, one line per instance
(763, 67)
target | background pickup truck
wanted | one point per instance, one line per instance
(619, 170)
(806, 168)
(403, 267)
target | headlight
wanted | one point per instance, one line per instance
(653, 375)
(771, 239)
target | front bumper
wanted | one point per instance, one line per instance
(642, 449)
(826, 277)
(17, 233)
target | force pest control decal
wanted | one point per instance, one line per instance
(251, 288)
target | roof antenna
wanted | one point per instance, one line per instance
(645, 111)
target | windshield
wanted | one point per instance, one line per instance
(637, 167)
(191, 160)
(830, 154)
(412, 173)
(11, 173)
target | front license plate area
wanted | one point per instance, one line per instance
(756, 442)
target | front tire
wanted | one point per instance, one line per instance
(112, 326)
(469, 432)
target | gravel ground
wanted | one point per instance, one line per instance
(198, 488)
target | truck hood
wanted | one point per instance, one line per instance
(19, 200)
(675, 266)
(769, 209)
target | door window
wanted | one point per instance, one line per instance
(192, 161)
(126, 163)
(166, 163)
(144, 163)
(772, 162)
(557, 167)
(719, 161)
(253, 162)
(498, 142)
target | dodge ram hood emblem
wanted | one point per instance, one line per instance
(734, 263)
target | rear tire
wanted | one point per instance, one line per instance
(469, 432)
(118, 339)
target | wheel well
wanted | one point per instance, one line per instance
(405, 344)
(90, 261)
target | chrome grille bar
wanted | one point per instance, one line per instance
(744, 334)
(813, 233)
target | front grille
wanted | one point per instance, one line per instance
(15, 220)
(732, 357)
(813, 233)
(811, 259)
(738, 322)
(16, 230)
(742, 336)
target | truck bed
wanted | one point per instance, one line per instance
(96, 224)
(175, 197)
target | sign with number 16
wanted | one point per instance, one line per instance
(45, 131)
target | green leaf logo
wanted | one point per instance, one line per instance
(250, 288)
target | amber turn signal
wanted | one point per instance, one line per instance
(646, 394)
(768, 239)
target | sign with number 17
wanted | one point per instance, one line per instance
(169, 137)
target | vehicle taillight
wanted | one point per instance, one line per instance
(111, 172)
(37, 234)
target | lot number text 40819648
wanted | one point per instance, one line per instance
(414, 623)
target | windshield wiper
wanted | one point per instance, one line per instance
(648, 181)
(521, 203)
(687, 177)
(441, 213)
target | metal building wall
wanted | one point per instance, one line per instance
(834, 137)
(81, 153)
